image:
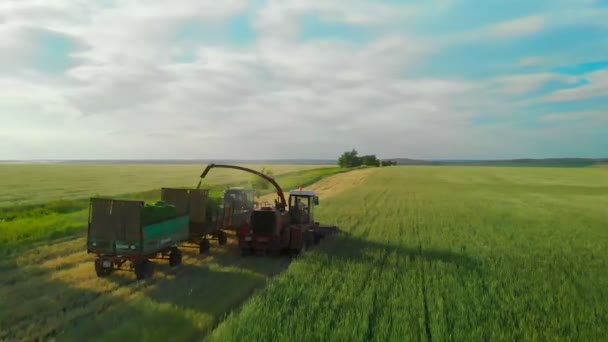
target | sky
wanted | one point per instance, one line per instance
(443, 79)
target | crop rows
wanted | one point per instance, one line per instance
(426, 253)
(447, 254)
(50, 289)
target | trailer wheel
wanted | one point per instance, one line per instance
(204, 246)
(100, 270)
(175, 258)
(222, 238)
(149, 268)
(143, 269)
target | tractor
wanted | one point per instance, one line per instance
(237, 205)
(281, 227)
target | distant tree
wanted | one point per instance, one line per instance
(370, 160)
(350, 159)
(388, 163)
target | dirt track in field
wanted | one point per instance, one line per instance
(52, 291)
(332, 185)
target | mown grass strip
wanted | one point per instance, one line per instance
(23, 225)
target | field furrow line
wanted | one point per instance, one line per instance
(375, 308)
(416, 222)
(427, 319)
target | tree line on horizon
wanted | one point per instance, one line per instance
(351, 159)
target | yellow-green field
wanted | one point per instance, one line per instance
(51, 290)
(61, 216)
(425, 253)
(448, 254)
(31, 183)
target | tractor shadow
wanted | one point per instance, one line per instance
(71, 303)
(347, 247)
(183, 302)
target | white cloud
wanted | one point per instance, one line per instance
(15, 50)
(495, 33)
(517, 27)
(532, 61)
(126, 98)
(523, 84)
(591, 116)
(597, 87)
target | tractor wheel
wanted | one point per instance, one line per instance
(100, 270)
(204, 246)
(222, 238)
(175, 258)
(143, 269)
(306, 245)
(274, 252)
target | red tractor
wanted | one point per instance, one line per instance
(283, 227)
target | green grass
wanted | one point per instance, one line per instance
(22, 225)
(25, 184)
(50, 291)
(448, 253)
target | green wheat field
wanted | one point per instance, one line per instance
(426, 253)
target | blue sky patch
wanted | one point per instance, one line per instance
(491, 58)
(552, 86)
(234, 31)
(314, 27)
(581, 69)
(192, 35)
(53, 52)
(238, 30)
(468, 15)
(568, 106)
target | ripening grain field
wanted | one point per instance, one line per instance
(448, 253)
(25, 184)
(54, 198)
(49, 290)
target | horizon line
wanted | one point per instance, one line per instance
(286, 159)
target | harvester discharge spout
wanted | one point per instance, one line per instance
(289, 228)
(280, 205)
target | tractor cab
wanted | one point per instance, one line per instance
(237, 206)
(301, 206)
(239, 199)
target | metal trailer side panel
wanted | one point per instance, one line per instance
(112, 221)
(198, 205)
(179, 198)
(158, 236)
(192, 202)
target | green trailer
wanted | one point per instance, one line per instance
(125, 231)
